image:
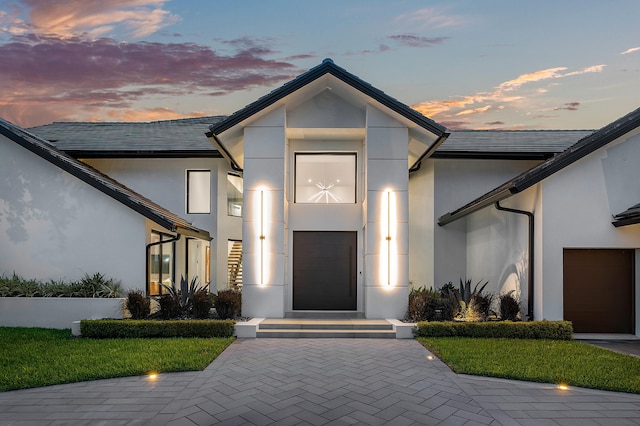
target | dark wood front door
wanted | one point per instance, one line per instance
(324, 270)
(598, 290)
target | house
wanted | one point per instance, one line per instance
(583, 236)
(328, 196)
(60, 218)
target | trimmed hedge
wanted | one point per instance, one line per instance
(107, 329)
(553, 330)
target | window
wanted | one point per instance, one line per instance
(325, 178)
(198, 191)
(161, 262)
(234, 195)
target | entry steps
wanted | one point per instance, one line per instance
(296, 328)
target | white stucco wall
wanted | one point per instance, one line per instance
(498, 245)
(578, 203)
(55, 226)
(163, 180)
(421, 226)
(439, 253)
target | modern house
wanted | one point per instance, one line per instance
(327, 195)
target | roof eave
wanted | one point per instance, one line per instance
(476, 205)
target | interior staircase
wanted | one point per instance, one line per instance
(234, 265)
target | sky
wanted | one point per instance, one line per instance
(467, 64)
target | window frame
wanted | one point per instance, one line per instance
(188, 191)
(326, 153)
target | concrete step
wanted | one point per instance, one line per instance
(325, 328)
(324, 315)
(330, 334)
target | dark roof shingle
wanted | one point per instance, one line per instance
(169, 137)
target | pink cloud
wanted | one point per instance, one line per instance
(68, 18)
(110, 74)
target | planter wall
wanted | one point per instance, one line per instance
(56, 312)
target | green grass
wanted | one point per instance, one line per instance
(547, 361)
(34, 357)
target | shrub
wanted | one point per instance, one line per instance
(426, 304)
(201, 304)
(138, 304)
(553, 330)
(184, 295)
(108, 329)
(169, 307)
(228, 303)
(479, 307)
(509, 306)
(95, 285)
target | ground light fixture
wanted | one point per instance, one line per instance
(152, 376)
(563, 386)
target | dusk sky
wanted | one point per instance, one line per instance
(467, 64)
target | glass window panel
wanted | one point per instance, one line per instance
(325, 178)
(234, 195)
(198, 191)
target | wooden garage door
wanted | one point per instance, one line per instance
(324, 270)
(598, 290)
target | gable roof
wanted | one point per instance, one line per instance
(583, 147)
(328, 67)
(167, 138)
(100, 181)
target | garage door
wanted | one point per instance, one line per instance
(324, 270)
(598, 290)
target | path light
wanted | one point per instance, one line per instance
(152, 376)
(563, 387)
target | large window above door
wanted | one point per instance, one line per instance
(326, 178)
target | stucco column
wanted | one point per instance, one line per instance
(263, 225)
(387, 211)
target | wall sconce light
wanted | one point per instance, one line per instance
(388, 237)
(262, 237)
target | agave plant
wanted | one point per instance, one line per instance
(184, 294)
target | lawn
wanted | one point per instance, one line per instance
(547, 361)
(34, 357)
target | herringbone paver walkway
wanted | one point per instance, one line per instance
(317, 382)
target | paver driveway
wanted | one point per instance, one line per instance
(317, 381)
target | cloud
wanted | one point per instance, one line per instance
(150, 114)
(430, 18)
(381, 48)
(494, 123)
(104, 73)
(412, 40)
(633, 49)
(70, 18)
(502, 95)
(591, 69)
(531, 77)
(568, 106)
(475, 110)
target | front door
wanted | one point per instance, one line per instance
(324, 270)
